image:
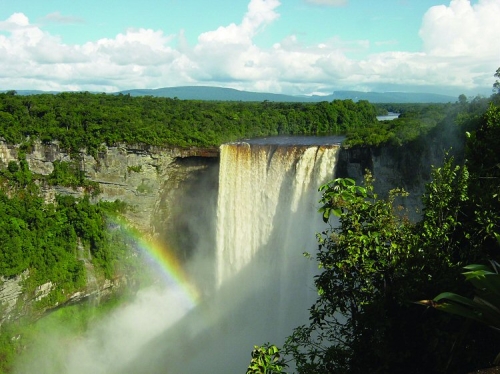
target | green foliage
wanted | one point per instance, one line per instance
(496, 85)
(374, 262)
(444, 212)
(266, 360)
(477, 223)
(414, 122)
(86, 121)
(9, 348)
(484, 307)
(17, 175)
(483, 159)
(47, 239)
(135, 169)
(144, 188)
(362, 258)
(70, 174)
(65, 174)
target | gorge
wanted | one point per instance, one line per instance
(257, 207)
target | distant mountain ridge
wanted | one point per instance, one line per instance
(210, 93)
(230, 94)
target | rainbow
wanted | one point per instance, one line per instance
(163, 260)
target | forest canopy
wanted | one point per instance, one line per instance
(85, 120)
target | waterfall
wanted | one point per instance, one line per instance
(266, 218)
(268, 200)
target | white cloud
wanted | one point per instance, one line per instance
(462, 29)
(57, 17)
(460, 49)
(259, 14)
(327, 2)
(137, 46)
(228, 53)
(14, 21)
(464, 38)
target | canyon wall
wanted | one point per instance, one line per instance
(141, 176)
(152, 181)
(172, 192)
(408, 167)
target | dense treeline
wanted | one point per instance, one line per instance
(419, 121)
(84, 120)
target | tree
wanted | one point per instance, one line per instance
(483, 160)
(496, 85)
(375, 263)
(363, 259)
(484, 307)
(266, 360)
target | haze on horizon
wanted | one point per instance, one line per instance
(292, 47)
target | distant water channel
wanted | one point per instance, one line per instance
(389, 117)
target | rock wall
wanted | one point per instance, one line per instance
(406, 167)
(141, 176)
(152, 181)
(10, 291)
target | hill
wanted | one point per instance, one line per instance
(230, 94)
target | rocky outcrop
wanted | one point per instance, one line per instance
(394, 167)
(144, 179)
(10, 292)
(154, 182)
(141, 176)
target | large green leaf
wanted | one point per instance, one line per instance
(484, 307)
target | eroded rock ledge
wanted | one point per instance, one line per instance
(135, 174)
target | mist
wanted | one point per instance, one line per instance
(111, 343)
(255, 283)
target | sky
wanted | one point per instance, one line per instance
(297, 47)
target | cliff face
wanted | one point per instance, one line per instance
(406, 167)
(141, 176)
(152, 182)
(172, 193)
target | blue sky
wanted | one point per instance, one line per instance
(282, 46)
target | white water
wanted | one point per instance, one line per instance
(268, 202)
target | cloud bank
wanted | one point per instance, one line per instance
(460, 53)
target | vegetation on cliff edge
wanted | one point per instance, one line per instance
(86, 121)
